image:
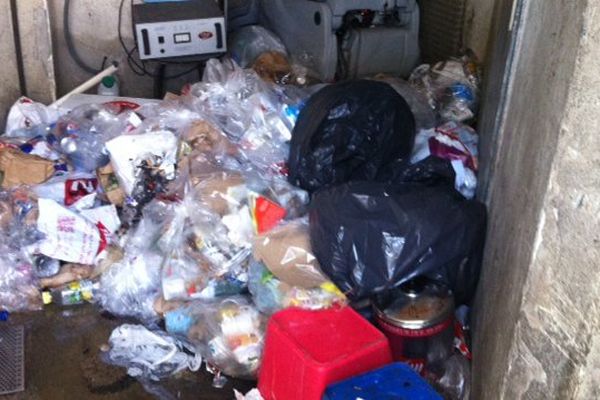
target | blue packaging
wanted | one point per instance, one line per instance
(393, 382)
(179, 322)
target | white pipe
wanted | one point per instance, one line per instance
(90, 83)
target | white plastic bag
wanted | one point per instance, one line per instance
(456, 143)
(128, 151)
(26, 113)
(149, 354)
(68, 236)
(254, 394)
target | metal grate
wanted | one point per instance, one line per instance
(442, 26)
(12, 359)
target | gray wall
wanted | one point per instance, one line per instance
(537, 323)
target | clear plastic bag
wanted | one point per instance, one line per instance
(424, 116)
(19, 284)
(257, 117)
(223, 93)
(275, 67)
(235, 205)
(287, 253)
(19, 290)
(451, 87)
(248, 43)
(271, 294)
(266, 141)
(229, 333)
(149, 354)
(83, 132)
(451, 377)
(130, 286)
(201, 257)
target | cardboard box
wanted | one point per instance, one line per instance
(17, 168)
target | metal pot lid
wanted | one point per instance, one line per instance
(417, 304)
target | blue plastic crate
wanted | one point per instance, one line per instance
(393, 382)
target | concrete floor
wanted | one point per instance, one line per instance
(62, 362)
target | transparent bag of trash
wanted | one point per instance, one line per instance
(451, 377)
(451, 87)
(19, 290)
(249, 42)
(271, 294)
(229, 333)
(131, 286)
(82, 134)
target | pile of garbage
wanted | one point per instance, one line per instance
(252, 193)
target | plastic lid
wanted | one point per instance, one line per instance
(109, 81)
(417, 304)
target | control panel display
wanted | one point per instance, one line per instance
(182, 38)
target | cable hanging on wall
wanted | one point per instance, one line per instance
(71, 46)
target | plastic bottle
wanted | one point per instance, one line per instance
(77, 292)
(109, 86)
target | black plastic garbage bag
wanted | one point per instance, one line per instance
(350, 131)
(370, 237)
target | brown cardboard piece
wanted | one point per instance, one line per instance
(286, 252)
(18, 168)
(204, 137)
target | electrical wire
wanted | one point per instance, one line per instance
(69, 41)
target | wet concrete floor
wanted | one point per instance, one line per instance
(62, 352)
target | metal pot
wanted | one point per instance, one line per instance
(418, 320)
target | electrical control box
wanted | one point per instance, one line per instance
(178, 29)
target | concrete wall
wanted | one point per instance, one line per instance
(9, 79)
(94, 27)
(537, 323)
(478, 21)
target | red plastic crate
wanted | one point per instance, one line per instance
(305, 351)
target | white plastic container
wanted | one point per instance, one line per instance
(109, 86)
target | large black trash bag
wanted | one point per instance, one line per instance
(350, 131)
(370, 237)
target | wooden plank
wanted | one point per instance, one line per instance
(9, 78)
(36, 47)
